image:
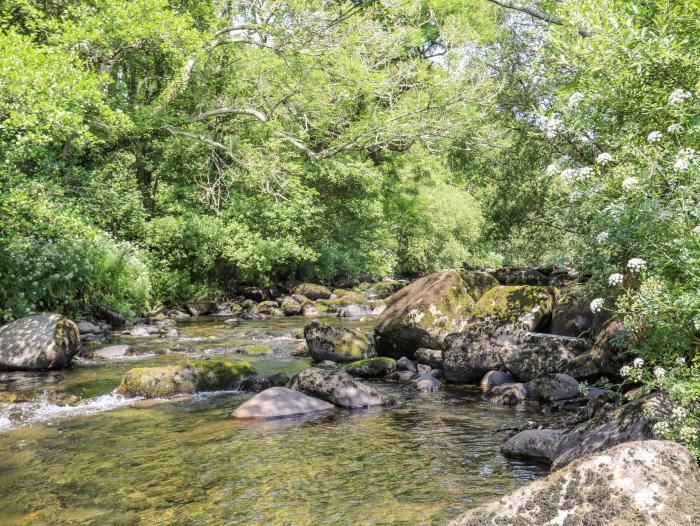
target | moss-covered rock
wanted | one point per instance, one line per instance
(197, 375)
(423, 313)
(290, 306)
(343, 301)
(338, 344)
(301, 299)
(384, 289)
(524, 307)
(265, 307)
(312, 291)
(376, 367)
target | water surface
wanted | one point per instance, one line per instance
(109, 460)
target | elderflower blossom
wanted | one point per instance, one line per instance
(688, 433)
(659, 372)
(625, 371)
(680, 361)
(602, 237)
(615, 279)
(603, 158)
(568, 174)
(630, 184)
(674, 128)
(597, 305)
(683, 160)
(660, 427)
(696, 230)
(552, 169)
(679, 413)
(636, 264)
(679, 96)
(638, 362)
(574, 99)
(583, 173)
(654, 136)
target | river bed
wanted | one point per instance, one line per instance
(105, 459)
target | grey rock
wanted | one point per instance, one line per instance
(425, 383)
(520, 276)
(338, 388)
(356, 310)
(257, 384)
(39, 341)
(114, 351)
(377, 367)
(85, 327)
(633, 484)
(494, 378)
(431, 357)
(279, 402)
(200, 307)
(423, 369)
(552, 387)
(406, 364)
(399, 376)
(532, 444)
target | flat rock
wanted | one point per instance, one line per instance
(532, 444)
(338, 388)
(279, 402)
(552, 387)
(114, 351)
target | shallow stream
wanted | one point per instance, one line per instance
(109, 460)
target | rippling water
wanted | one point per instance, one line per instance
(108, 460)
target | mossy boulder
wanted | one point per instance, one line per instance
(384, 289)
(338, 344)
(343, 301)
(197, 375)
(301, 299)
(376, 367)
(265, 307)
(312, 291)
(338, 388)
(290, 306)
(423, 313)
(525, 307)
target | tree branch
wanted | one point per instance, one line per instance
(539, 14)
(225, 110)
(199, 138)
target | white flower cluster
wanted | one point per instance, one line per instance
(674, 128)
(659, 372)
(661, 427)
(574, 99)
(630, 184)
(684, 159)
(688, 433)
(625, 371)
(616, 279)
(602, 237)
(636, 265)
(679, 413)
(597, 305)
(654, 136)
(696, 230)
(603, 158)
(679, 96)
(680, 361)
(638, 362)
(552, 169)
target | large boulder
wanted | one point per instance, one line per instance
(312, 291)
(279, 402)
(652, 482)
(338, 388)
(572, 314)
(523, 307)
(423, 313)
(290, 306)
(469, 355)
(39, 341)
(384, 289)
(376, 367)
(552, 387)
(198, 375)
(612, 425)
(431, 357)
(532, 444)
(338, 344)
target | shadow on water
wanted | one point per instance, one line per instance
(111, 461)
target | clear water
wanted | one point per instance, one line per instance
(104, 459)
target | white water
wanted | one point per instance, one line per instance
(42, 411)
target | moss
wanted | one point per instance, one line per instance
(508, 303)
(372, 367)
(349, 343)
(219, 373)
(258, 350)
(312, 291)
(373, 361)
(348, 299)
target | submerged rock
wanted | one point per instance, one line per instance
(39, 341)
(612, 425)
(532, 444)
(494, 378)
(652, 482)
(376, 367)
(505, 394)
(114, 351)
(552, 387)
(338, 388)
(279, 402)
(423, 313)
(198, 375)
(425, 382)
(339, 344)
